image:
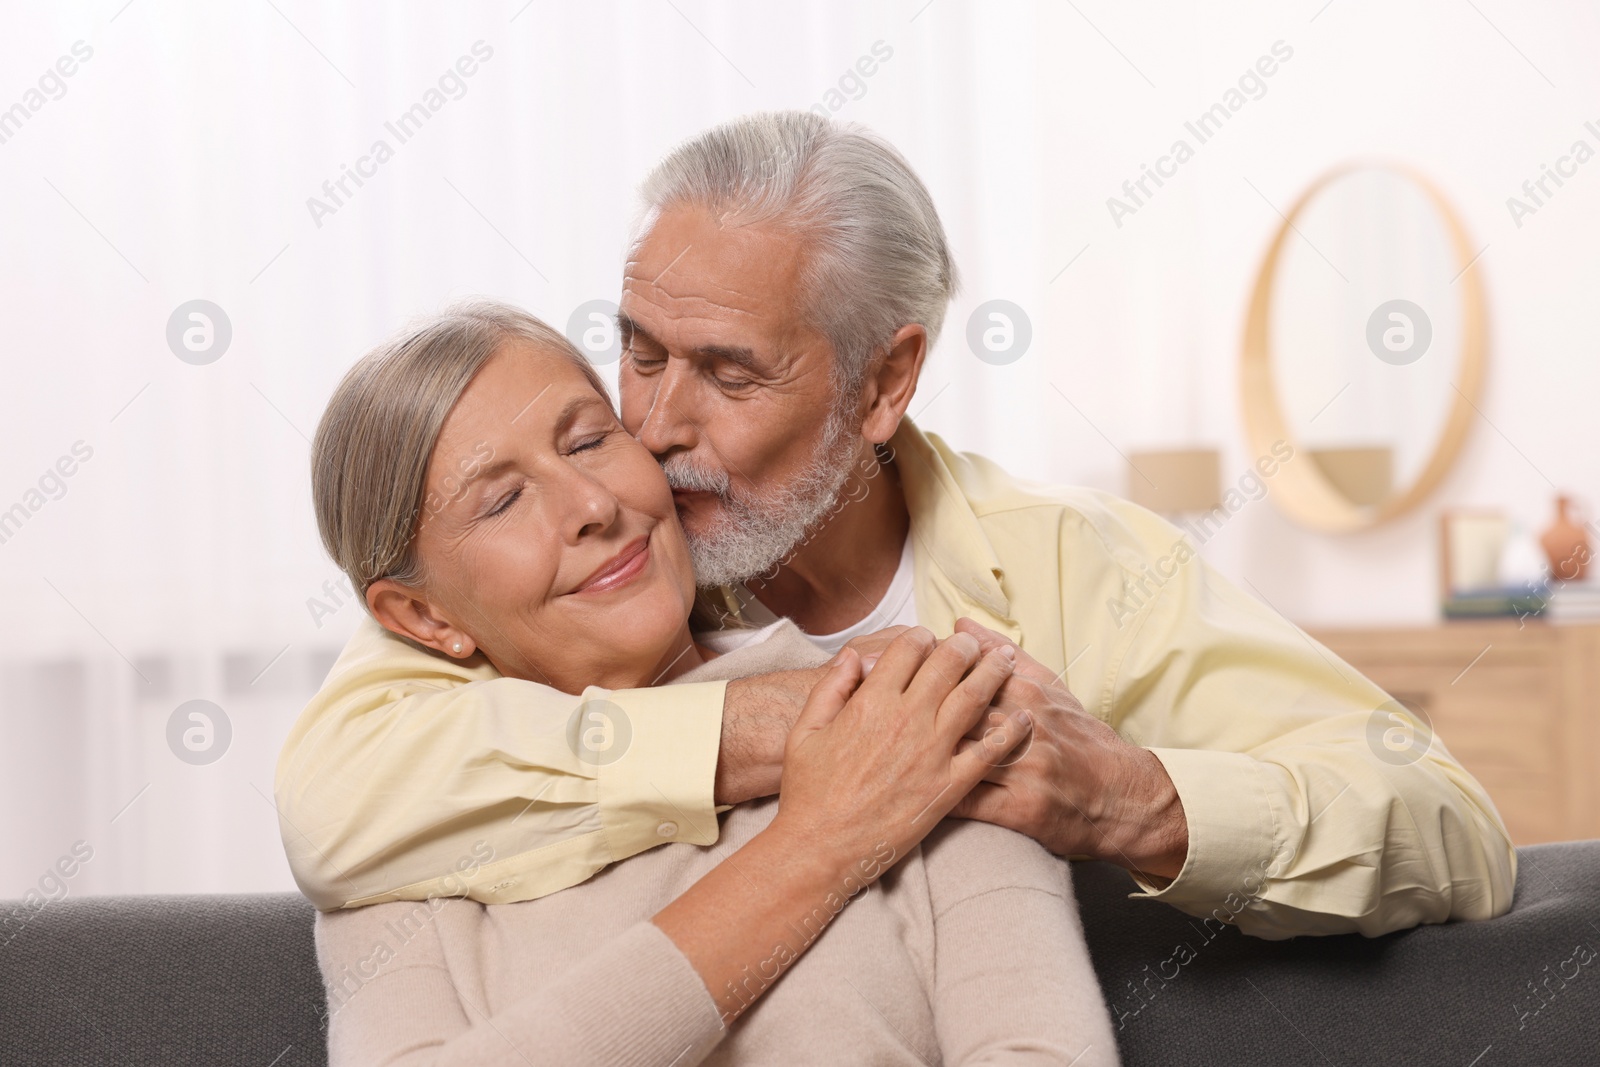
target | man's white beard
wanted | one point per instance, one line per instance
(753, 534)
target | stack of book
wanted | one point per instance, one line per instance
(1554, 601)
(1517, 602)
(1573, 602)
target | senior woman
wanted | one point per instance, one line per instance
(472, 479)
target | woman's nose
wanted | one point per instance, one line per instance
(592, 508)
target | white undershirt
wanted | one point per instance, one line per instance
(897, 608)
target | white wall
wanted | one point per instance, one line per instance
(177, 165)
(1147, 325)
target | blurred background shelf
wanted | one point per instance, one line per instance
(1514, 701)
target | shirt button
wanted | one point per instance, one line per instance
(668, 829)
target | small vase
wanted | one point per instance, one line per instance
(1566, 544)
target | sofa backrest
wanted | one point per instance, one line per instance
(201, 981)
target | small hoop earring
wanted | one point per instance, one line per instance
(456, 647)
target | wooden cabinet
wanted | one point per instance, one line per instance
(1517, 703)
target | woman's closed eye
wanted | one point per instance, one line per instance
(594, 440)
(506, 502)
(583, 444)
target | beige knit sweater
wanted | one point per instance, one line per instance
(969, 951)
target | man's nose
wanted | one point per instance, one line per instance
(670, 422)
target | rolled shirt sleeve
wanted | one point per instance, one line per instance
(410, 775)
(1301, 820)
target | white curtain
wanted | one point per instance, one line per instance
(180, 561)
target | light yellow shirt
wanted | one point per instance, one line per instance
(409, 767)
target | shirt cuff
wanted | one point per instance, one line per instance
(1232, 838)
(660, 788)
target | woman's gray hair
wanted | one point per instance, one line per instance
(878, 259)
(369, 461)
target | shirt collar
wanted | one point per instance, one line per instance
(945, 533)
(944, 526)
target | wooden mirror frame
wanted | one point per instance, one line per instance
(1302, 490)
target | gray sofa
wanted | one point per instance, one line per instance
(232, 980)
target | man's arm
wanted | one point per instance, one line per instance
(1296, 817)
(409, 775)
(758, 713)
(1300, 819)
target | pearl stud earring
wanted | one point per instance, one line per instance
(456, 647)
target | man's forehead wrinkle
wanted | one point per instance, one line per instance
(692, 331)
(684, 286)
(694, 304)
(668, 268)
(704, 283)
(691, 264)
(706, 261)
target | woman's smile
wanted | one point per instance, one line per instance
(619, 570)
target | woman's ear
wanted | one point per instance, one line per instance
(401, 610)
(887, 392)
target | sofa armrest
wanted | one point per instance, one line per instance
(1525, 985)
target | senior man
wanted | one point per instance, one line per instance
(787, 283)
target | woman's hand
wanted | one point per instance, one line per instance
(869, 768)
(872, 765)
(871, 646)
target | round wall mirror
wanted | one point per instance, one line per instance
(1364, 347)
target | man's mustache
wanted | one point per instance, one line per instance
(683, 474)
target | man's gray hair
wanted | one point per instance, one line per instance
(877, 257)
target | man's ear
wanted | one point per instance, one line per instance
(888, 389)
(402, 610)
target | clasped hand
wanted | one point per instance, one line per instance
(1073, 784)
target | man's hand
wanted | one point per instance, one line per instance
(1075, 786)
